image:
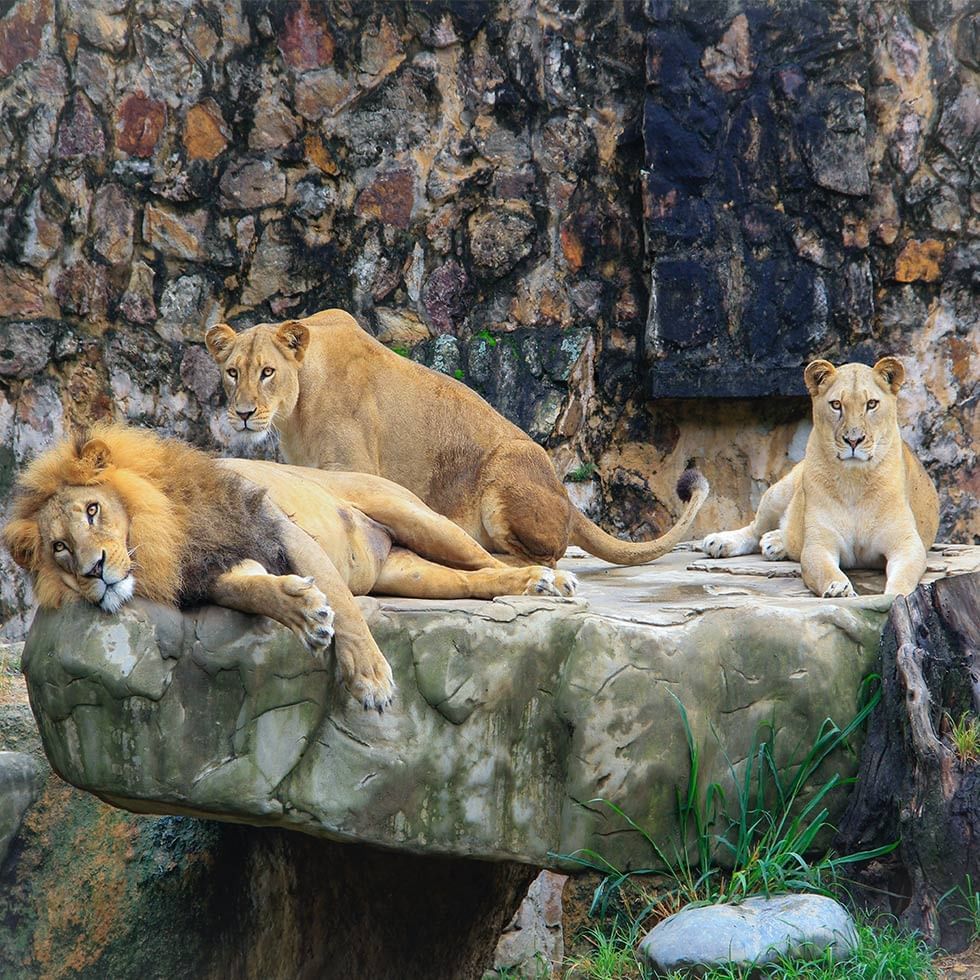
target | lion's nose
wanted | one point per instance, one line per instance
(852, 442)
(245, 416)
(96, 570)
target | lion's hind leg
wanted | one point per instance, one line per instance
(406, 574)
(292, 600)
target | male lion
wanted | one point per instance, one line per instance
(858, 499)
(341, 400)
(127, 512)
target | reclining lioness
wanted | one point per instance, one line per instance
(858, 499)
(127, 513)
(341, 400)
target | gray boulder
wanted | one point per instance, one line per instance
(754, 932)
(510, 715)
(19, 784)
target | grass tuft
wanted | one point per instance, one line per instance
(965, 736)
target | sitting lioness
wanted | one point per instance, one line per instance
(858, 499)
(341, 400)
(127, 513)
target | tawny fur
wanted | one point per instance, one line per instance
(342, 401)
(859, 498)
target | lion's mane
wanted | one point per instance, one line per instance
(190, 519)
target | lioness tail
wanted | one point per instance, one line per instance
(692, 488)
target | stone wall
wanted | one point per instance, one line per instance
(572, 206)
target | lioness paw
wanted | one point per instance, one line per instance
(550, 581)
(773, 545)
(566, 583)
(839, 590)
(727, 544)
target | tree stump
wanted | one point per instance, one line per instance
(912, 785)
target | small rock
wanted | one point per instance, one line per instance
(757, 931)
(139, 122)
(112, 221)
(199, 373)
(21, 292)
(205, 133)
(44, 236)
(177, 234)
(82, 288)
(500, 238)
(729, 63)
(21, 32)
(920, 261)
(389, 198)
(444, 297)
(400, 328)
(136, 303)
(101, 22)
(321, 93)
(20, 783)
(305, 40)
(252, 184)
(80, 133)
(25, 348)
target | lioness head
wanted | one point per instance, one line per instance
(855, 407)
(75, 542)
(259, 373)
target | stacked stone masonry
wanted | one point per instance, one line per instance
(571, 206)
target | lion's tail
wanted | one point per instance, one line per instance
(692, 488)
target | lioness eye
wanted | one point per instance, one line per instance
(873, 403)
(59, 546)
(232, 373)
(92, 510)
(835, 405)
(268, 372)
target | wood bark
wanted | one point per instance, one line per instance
(912, 786)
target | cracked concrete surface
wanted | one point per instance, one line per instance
(511, 716)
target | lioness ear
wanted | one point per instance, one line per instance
(23, 539)
(295, 337)
(817, 374)
(892, 371)
(95, 454)
(219, 340)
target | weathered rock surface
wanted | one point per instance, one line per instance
(510, 715)
(754, 932)
(19, 784)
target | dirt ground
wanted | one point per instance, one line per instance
(962, 966)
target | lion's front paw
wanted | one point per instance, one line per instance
(550, 581)
(839, 590)
(773, 545)
(311, 617)
(727, 544)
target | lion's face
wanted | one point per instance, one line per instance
(260, 368)
(855, 409)
(81, 548)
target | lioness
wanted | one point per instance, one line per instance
(127, 512)
(341, 400)
(858, 499)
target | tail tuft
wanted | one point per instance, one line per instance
(692, 481)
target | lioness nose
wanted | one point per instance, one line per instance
(245, 416)
(852, 442)
(96, 570)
